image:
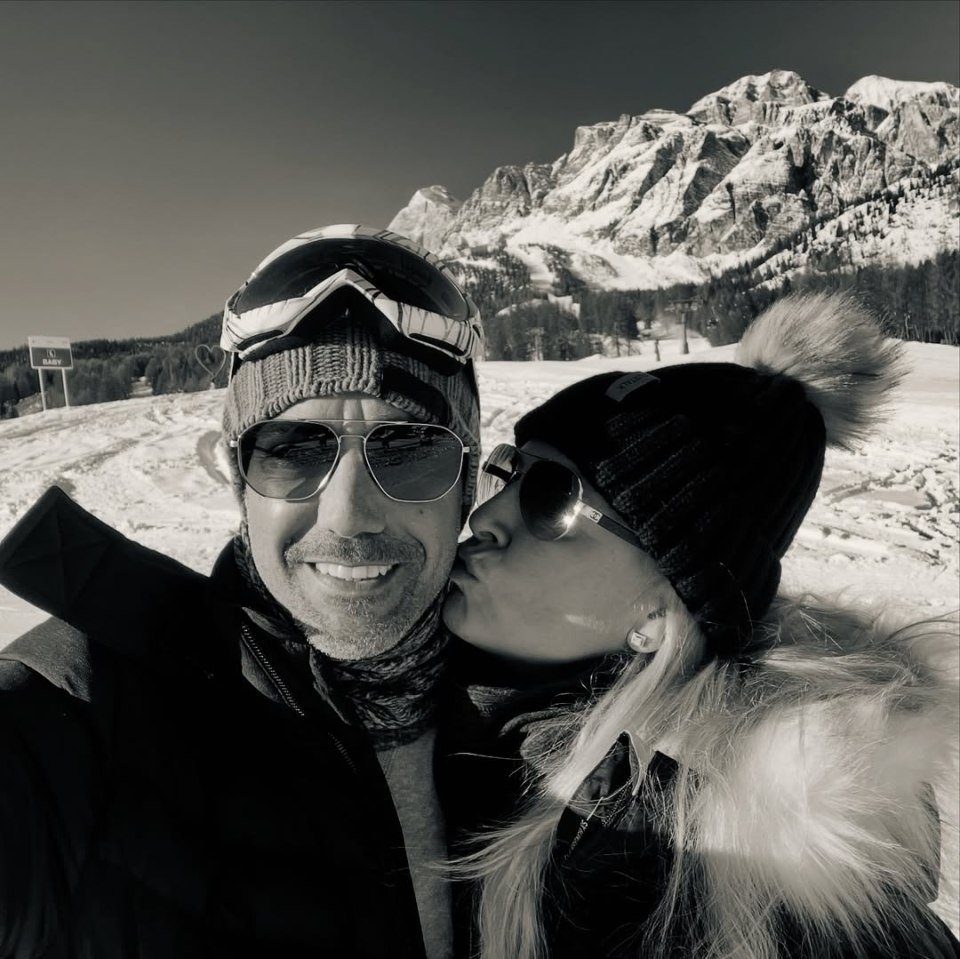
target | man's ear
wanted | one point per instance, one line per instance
(648, 633)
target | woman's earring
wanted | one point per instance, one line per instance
(641, 642)
(651, 639)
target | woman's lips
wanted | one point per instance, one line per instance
(464, 567)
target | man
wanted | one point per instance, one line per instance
(242, 764)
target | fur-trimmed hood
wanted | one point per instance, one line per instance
(811, 775)
(830, 743)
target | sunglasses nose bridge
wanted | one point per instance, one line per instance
(338, 458)
(351, 502)
(357, 445)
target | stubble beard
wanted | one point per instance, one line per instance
(358, 628)
(358, 631)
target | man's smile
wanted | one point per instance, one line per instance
(354, 574)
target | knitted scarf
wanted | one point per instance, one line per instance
(392, 694)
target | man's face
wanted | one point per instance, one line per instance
(354, 567)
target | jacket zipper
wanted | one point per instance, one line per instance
(592, 819)
(284, 690)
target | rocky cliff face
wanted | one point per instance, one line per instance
(428, 217)
(665, 197)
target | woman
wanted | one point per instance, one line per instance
(694, 764)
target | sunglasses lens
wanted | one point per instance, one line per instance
(414, 462)
(287, 459)
(548, 495)
(399, 274)
(497, 471)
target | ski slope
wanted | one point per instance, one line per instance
(884, 526)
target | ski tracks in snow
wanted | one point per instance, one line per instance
(886, 521)
(133, 463)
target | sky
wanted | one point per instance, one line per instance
(152, 153)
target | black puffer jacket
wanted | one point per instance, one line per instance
(611, 863)
(154, 803)
(611, 858)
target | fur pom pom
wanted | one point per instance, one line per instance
(833, 346)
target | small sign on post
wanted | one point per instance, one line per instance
(51, 353)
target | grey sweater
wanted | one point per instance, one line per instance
(409, 773)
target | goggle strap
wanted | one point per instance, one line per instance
(457, 339)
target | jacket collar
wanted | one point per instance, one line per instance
(617, 794)
(119, 593)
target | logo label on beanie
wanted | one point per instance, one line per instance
(624, 385)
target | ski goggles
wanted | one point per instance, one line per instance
(407, 284)
(293, 459)
(550, 494)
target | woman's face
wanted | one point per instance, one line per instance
(518, 596)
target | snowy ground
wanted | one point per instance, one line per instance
(884, 526)
(885, 523)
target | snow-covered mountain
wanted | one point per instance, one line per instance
(428, 216)
(644, 201)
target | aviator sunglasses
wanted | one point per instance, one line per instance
(551, 494)
(293, 459)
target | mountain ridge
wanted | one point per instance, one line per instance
(662, 197)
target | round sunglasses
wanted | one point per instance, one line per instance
(550, 494)
(293, 459)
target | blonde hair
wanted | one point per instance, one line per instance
(818, 703)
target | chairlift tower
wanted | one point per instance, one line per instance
(684, 307)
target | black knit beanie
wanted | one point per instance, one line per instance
(714, 465)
